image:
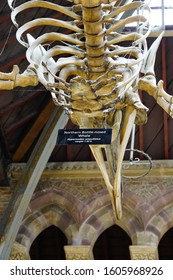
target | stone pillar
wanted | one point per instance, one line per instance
(78, 252)
(143, 252)
(19, 252)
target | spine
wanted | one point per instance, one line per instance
(94, 36)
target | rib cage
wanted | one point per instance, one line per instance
(94, 49)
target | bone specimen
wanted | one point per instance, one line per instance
(98, 79)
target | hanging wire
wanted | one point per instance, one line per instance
(6, 41)
(9, 33)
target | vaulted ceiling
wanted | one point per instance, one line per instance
(25, 111)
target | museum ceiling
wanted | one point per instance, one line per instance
(24, 112)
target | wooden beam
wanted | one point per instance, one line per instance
(22, 122)
(15, 60)
(33, 132)
(5, 18)
(15, 211)
(20, 102)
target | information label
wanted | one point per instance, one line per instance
(84, 136)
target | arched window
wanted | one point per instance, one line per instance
(49, 245)
(112, 244)
(165, 247)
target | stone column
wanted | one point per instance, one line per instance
(78, 252)
(19, 252)
(143, 252)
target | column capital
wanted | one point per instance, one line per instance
(144, 252)
(19, 252)
(81, 252)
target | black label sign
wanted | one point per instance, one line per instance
(84, 136)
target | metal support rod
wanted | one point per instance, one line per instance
(165, 116)
(163, 16)
(132, 143)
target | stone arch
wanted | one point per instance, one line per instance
(40, 220)
(161, 223)
(53, 196)
(46, 209)
(101, 220)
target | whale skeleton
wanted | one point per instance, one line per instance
(98, 79)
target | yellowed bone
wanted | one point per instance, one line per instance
(128, 122)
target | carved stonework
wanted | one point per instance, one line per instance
(150, 187)
(19, 252)
(78, 252)
(143, 253)
(81, 189)
(145, 191)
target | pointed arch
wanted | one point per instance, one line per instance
(49, 245)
